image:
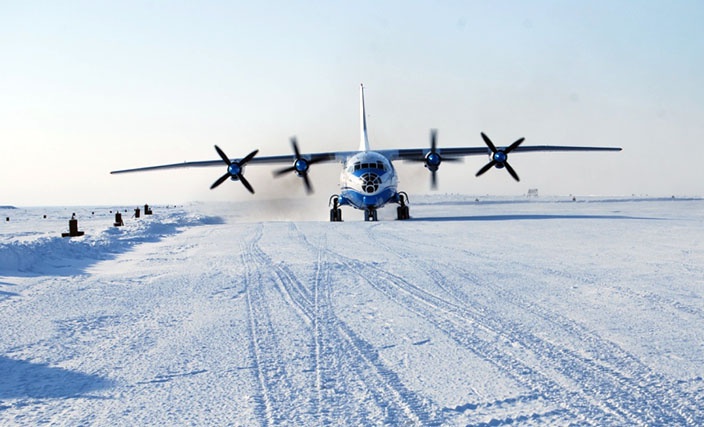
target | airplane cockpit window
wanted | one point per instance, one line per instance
(373, 165)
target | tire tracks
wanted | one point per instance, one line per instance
(347, 380)
(614, 381)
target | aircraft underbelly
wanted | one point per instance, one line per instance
(361, 200)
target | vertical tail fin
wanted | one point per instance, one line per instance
(363, 138)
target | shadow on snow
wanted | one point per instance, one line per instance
(525, 217)
(22, 379)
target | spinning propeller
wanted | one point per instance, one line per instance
(499, 157)
(234, 169)
(300, 166)
(433, 159)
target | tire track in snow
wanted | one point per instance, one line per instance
(349, 369)
(672, 396)
(614, 377)
(349, 382)
(468, 331)
(632, 379)
(588, 279)
(388, 284)
(400, 404)
(275, 405)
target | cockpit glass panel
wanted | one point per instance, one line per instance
(378, 164)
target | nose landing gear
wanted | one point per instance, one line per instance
(370, 214)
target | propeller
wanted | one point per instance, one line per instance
(499, 158)
(234, 169)
(433, 159)
(300, 166)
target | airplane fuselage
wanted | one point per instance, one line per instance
(368, 181)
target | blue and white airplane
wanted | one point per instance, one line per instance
(368, 180)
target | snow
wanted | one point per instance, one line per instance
(478, 311)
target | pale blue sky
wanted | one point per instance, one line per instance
(89, 87)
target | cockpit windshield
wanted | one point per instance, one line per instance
(371, 165)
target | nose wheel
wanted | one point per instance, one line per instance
(370, 214)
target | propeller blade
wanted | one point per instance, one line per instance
(433, 139)
(220, 180)
(300, 161)
(246, 183)
(223, 156)
(514, 145)
(231, 169)
(306, 181)
(433, 180)
(488, 142)
(284, 170)
(294, 144)
(486, 167)
(248, 157)
(511, 171)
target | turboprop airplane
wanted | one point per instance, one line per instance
(368, 180)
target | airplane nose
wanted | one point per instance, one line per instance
(370, 182)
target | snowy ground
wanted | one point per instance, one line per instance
(489, 313)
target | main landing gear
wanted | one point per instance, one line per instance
(335, 212)
(402, 211)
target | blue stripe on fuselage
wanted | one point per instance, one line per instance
(360, 200)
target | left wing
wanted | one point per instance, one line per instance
(235, 167)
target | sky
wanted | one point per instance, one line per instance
(87, 87)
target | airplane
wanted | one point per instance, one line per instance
(368, 180)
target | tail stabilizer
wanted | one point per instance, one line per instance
(363, 138)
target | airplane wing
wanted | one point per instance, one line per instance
(317, 157)
(341, 156)
(419, 153)
(432, 157)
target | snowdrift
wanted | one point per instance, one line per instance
(45, 255)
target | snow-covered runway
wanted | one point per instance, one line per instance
(488, 313)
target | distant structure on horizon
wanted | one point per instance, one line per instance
(532, 192)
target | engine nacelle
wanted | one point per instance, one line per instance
(301, 166)
(432, 161)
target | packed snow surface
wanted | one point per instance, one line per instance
(481, 312)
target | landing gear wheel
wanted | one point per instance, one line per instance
(336, 215)
(370, 215)
(402, 211)
(335, 212)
